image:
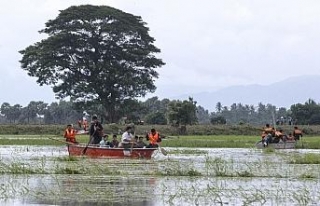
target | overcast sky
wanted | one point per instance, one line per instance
(207, 44)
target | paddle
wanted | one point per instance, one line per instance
(58, 140)
(132, 142)
(90, 140)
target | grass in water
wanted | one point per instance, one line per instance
(67, 159)
(188, 151)
(191, 141)
(268, 150)
(67, 170)
(305, 159)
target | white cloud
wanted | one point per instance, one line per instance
(206, 44)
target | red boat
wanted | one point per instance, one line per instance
(96, 151)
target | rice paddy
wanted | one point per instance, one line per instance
(34, 174)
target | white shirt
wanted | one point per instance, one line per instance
(102, 142)
(126, 136)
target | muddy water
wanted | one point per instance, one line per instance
(41, 176)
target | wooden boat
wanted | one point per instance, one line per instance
(281, 145)
(96, 151)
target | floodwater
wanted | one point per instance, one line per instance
(34, 175)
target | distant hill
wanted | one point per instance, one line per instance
(281, 94)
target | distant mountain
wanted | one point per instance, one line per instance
(281, 94)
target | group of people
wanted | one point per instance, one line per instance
(271, 135)
(83, 124)
(128, 139)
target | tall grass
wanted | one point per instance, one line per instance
(308, 158)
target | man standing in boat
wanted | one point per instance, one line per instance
(95, 131)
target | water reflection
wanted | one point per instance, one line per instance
(44, 175)
(78, 190)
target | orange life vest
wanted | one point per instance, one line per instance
(153, 138)
(70, 135)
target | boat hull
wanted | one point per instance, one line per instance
(96, 152)
(280, 145)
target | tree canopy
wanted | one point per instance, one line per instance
(165, 111)
(95, 55)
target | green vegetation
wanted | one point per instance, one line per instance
(167, 130)
(308, 158)
(200, 179)
(269, 150)
(209, 141)
(49, 60)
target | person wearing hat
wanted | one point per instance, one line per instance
(70, 134)
(95, 131)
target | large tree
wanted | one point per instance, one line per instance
(182, 112)
(95, 54)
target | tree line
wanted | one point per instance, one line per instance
(162, 112)
(104, 59)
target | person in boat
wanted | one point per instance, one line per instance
(80, 123)
(141, 143)
(269, 130)
(115, 141)
(154, 138)
(290, 137)
(278, 136)
(70, 134)
(85, 124)
(96, 130)
(267, 134)
(104, 142)
(297, 133)
(127, 139)
(135, 140)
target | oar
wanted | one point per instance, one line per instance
(131, 147)
(90, 140)
(131, 142)
(85, 149)
(58, 140)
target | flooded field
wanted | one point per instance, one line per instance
(38, 175)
